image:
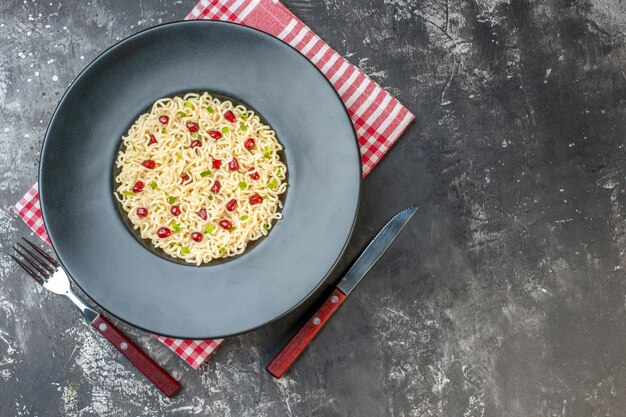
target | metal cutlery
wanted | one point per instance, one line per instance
(372, 253)
(50, 274)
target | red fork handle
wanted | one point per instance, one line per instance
(294, 348)
(157, 375)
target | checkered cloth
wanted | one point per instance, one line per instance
(194, 352)
(379, 119)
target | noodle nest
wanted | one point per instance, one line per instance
(200, 177)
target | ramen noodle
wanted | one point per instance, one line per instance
(200, 177)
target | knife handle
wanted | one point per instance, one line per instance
(157, 375)
(296, 345)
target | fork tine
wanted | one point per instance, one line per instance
(27, 269)
(45, 274)
(48, 267)
(42, 252)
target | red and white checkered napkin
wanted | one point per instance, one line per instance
(379, 119)
(194, 352)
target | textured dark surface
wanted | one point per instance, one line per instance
(504, 296)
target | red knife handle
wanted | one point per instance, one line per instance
(157, 375)
(294, 348)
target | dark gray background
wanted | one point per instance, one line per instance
(504, 296)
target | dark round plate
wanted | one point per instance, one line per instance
(137, 285)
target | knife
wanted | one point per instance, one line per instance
(372, 253)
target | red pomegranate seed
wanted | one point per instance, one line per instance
(217, 163)
(150, 164)
(249, 144)
(233, 165)
(231, 205)
(195, 144)
(164, 232)
(256, 199)
(216, 187)
(184, 179)
(175, 210)
(254, 175)
(192, 126)
(202, 214)
(164, 120)
(152, 140)
(230, 116)
(197, 236)
(142, 212)
(225, 224)
(215, 134)
(138, 187)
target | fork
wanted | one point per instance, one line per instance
(51, 275)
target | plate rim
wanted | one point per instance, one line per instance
(118, 45)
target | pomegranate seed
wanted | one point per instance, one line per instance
(216, 187)
(217, 163)
(175, 210)
(150, 164)
(197, 236)
(192, 126)
(184, 179)
(233, 165)
(256, 199)
(231, 205)
(215, 134)
(202, 214)
(142, 212)
(152, 140)
(249, 144)
(138, 187)
(230, 116)
(225, 224)
(195, 144)
(254, 175)
(164, 232)
(164, 120)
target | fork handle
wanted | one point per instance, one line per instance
(157, 375)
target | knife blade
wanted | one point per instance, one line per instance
(375, 250)
(372, 253)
